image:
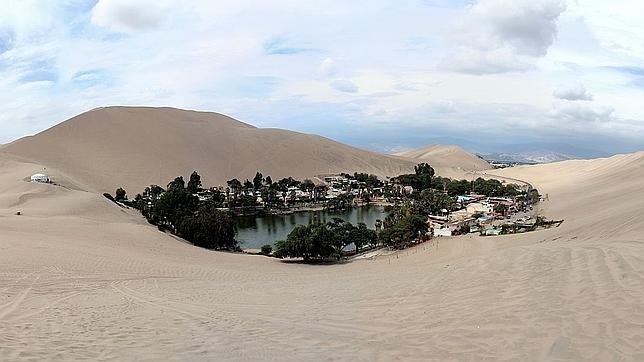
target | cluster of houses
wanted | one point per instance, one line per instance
(478, 213)
(341, 185)
(324, 187)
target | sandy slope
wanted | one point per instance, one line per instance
(82, 278)
(445, 157)
(135, 146)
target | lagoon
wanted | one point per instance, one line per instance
(255, 231)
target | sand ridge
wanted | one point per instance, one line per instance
(133, 147)
(445, 158)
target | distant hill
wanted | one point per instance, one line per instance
(443, 157)
(134, 147)
(528, 157)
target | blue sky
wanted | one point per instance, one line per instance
(491, 75)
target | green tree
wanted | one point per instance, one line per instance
(424, 169)
(178, 183)
(316, 241)
(501, 209)
(235, 186)
(307, 186)
(152, 192)
(120, 194)
(404, 231)
(362, 236)
(266, 249)
(194, 184)
(257, 180)
(209, 228)
(172, 206)
(248, 186)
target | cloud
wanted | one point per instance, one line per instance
(574, 93)
(280, 46)
(630, 70)
(287, 67)
(7, 40)
(581, 113)
(344, 85)
(499, 36)
(529, 27)
(128, 16)
(328, 68)
(477, 62)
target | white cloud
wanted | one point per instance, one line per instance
(495, 71)
(328, 68)
(344, 85)
(574, 93)
(479, 62)
(529, 27)
(128, 16)
(27, 18)
(497, 36)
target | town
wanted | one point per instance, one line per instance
(420, 205)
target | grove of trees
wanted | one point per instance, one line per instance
(323, 241)
(178, 210)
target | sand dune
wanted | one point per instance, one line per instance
(135, 146)
(446, 157)
(81, 278)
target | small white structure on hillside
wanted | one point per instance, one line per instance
(40, 177)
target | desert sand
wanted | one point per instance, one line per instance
(81, 278)
(446, 158)
(133, 147)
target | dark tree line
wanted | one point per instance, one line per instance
(178, 210)
(322, 241)
(420, 180)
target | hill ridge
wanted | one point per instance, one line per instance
(443, 157)
(133, 147)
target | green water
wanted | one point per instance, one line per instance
(255, 231)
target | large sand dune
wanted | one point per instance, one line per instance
(81, 278)
(445, 158)
(137, 146)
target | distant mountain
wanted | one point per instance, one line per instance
(443, 157)
(528, 157)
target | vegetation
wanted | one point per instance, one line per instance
(492, 187)
(420, 180)
(501, 209)
(402, 232)
(178, 210)
(266, 249)
(209, 228)
(201, 215)
(320, 241)
(120, 195)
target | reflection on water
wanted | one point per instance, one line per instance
(255, 231)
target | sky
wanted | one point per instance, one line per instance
(490, 75)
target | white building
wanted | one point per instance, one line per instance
(479, 207)
(40, 177)
(445, 230)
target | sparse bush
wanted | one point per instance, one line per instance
(266, 249)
